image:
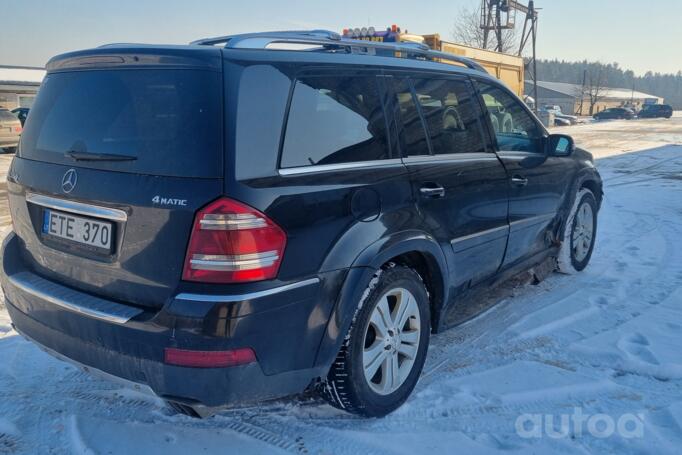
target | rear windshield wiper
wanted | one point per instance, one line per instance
(87, 156)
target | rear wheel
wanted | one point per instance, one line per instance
(381, 359)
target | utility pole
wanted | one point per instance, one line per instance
(582, 91)
(632, 99)
(530, 31)
(498, 30)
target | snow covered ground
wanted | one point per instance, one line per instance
(598, 352)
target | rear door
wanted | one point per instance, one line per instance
(459, 183)
(537, 182)
(115, 161)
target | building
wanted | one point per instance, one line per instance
(568, 97)
(19, 85)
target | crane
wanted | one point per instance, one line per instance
(498, 15)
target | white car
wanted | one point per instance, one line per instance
(556, 110)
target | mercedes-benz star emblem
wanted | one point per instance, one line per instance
(69, 181)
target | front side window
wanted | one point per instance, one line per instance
(335, 120)
(451, 115)
(514, 127)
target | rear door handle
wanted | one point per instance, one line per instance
(432, 191)
(517, 180)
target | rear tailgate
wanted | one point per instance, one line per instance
(122, 147)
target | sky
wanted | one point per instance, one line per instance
(639, 35)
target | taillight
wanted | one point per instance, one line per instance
(17, 129)
(233, 243)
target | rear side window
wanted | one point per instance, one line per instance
(412, 128)
(451, 115)
(335, 120)
(169, 120)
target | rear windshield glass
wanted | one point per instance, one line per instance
(168, 120)
(7, 116)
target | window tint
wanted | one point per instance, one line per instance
(7, 115)
(170, 120)
(515, 128)
(335, 120)
(413, 133)
(261, 108)
(451, 115)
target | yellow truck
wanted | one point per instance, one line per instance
(507, 68)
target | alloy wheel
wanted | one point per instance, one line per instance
(391, 341)
(583, 232)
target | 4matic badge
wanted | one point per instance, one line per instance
(169, 201)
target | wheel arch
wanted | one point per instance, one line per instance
(586, 178)
(594, 186)
(414, 249)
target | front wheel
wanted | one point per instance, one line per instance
(579, 234)
(382, 357)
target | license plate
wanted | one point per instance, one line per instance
(78, 229)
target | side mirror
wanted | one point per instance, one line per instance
(560, 145)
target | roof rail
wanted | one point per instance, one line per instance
(324, 34)
(332, 41)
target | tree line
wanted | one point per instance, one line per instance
(668, 86)
(596, 76)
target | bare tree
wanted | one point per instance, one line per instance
(595, 86)
(467, 30)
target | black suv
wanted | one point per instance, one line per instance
(231, 221)
(656, 111)
(615, 113)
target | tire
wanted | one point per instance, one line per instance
(573, 256)
(348, 386)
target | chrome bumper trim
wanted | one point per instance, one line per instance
(72, 300)
(77, 207)
(248, 296)
(531, 221)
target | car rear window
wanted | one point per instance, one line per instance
(7, 116)
(169, 120)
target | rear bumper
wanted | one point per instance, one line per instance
(9, 141)
(285, 339)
